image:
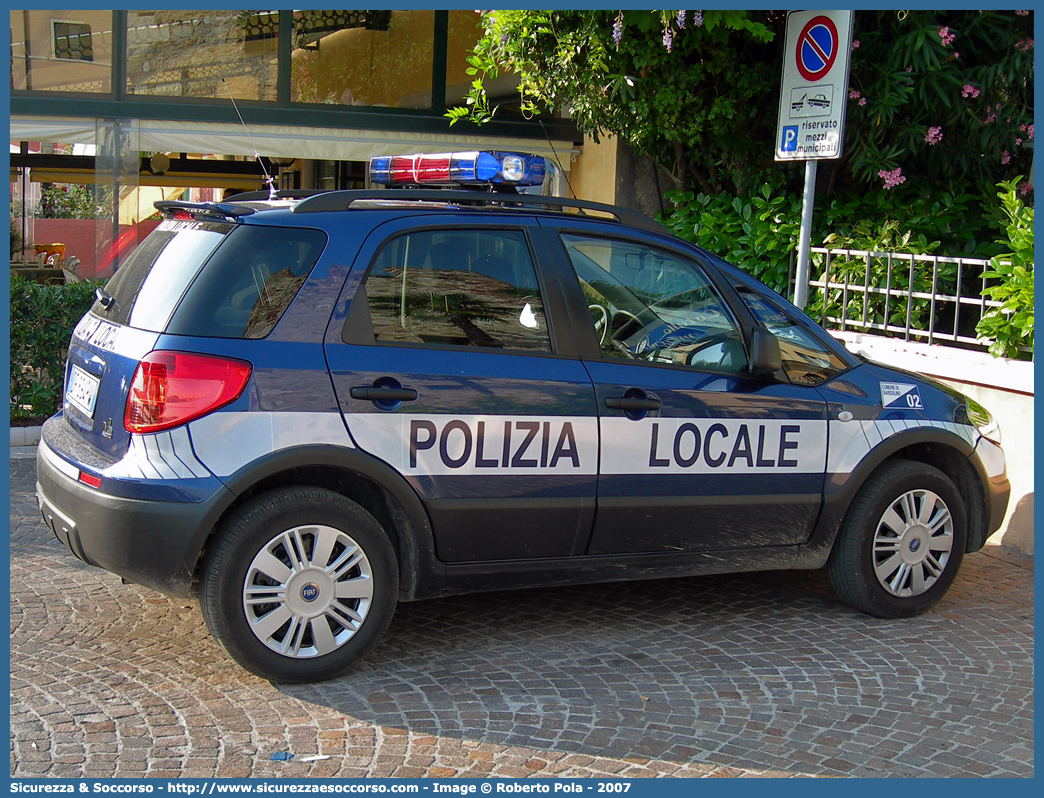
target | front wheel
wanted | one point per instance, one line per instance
(299, 584)
(902, 542)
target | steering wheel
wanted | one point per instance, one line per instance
(601, 324)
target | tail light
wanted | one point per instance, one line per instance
(173, 388)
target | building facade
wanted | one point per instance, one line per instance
(143, 105)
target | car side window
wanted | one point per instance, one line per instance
(652, 305)
(473, 288)
(805, 360)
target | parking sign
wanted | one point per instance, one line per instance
(814, 88)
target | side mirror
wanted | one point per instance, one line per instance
(765, 358)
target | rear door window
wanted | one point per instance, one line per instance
(469, 288)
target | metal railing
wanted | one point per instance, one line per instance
(927, 298)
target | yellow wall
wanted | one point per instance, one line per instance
(593, 174)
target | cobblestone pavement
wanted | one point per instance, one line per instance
(739, 675)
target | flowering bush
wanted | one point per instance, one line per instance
(67, 201)
(917, 89)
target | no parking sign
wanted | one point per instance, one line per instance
(814, 89)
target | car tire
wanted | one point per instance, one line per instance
(298, 584)
(902, 542)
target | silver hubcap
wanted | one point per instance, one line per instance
(912, 543)
(307, 591)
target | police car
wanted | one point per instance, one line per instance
(318, 404)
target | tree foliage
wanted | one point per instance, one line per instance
(665, 82)
(938, 100)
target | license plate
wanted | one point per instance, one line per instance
(82, 391)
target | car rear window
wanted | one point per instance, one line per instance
(212, 279)
(147, 287)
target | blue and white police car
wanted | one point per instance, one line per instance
(319, 404)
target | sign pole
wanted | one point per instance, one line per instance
(805, 235)
(812, 98)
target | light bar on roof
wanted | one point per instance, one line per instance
(479, 168)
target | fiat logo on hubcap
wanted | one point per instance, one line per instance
(310, 592)
(915, 544)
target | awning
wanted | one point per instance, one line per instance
(280, 141)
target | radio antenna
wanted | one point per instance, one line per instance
(565, 172)
(269, 180)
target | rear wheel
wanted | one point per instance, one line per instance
(299, 584)
(902, 542)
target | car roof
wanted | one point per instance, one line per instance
(239, 206)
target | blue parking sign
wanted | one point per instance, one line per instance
(790, 137)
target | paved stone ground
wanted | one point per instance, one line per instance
(740, 675)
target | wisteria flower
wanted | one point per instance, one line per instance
(681, 20)
(618, 29)
(946, 37)
(697, 19)
(893, 178)
(969, 91)
(668, 38)
(1005, 157)
(934, 135)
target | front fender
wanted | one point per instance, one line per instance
(842, 487)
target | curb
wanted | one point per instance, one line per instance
(25, 436)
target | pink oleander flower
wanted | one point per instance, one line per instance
(934, 135)
(1028, 130)
(1025, 189)
(893, 178)
(862, 100)
(1005, 157)
(1022, 13)
(909, 69)
(946, 37)
(853, 94)
(1024, 45)
(969, 91)
(1018, 142)
(855, 44)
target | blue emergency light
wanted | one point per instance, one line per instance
(478, 168)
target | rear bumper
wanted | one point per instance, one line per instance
(153, 543)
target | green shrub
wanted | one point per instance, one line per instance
(1011, 326)
(755, 233)
(42, 321)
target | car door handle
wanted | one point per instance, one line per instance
(632, 404)
(372, 393)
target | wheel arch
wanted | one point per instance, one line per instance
(372, 484)
(932, 446)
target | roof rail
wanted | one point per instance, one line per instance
(342, 200)
(283, 193)
(213, 210)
